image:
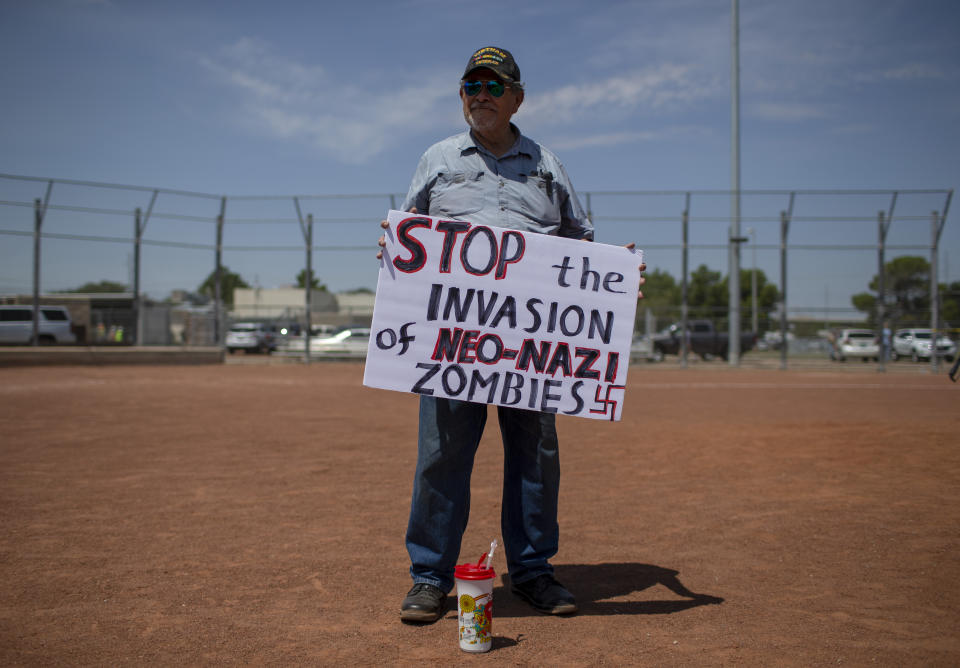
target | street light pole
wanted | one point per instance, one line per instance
(734, 243)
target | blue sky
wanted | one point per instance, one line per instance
(284, 98)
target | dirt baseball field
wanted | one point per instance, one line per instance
(255, 514)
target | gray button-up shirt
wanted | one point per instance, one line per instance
(526, 189)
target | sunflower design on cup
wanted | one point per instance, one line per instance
(476, 618)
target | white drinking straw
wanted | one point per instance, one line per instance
(493, 546)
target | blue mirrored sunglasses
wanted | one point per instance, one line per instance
(495, 88)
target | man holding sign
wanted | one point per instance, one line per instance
(488, 189)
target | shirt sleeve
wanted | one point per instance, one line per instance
(423, 179)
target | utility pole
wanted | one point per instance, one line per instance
(735, 238)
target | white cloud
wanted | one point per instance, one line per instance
(658, 88)
(627, 137)
(603, 139)
(856, 129)
(912, 71)
(785, 111)
(353, 123)
(903, 73)
(295, 101)
(250, 66)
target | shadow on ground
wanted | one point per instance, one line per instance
(595, 584)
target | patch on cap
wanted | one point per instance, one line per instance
(499, 60)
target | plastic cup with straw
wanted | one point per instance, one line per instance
(475, 602)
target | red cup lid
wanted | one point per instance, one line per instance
(473, 572)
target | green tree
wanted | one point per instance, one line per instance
(768, 296)
(229, 281)
(661, 295)
(906, 292)
(99, 287)
(314, 281)
(708, 295)
(950, 304)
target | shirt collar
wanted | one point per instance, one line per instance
(520, 146)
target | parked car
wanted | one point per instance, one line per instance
(642, 349)
(252, 337)
(16, 325)
(702, 339)
(292, 342)
(773, 340)
(350, 340)
(853, 343)
(915, 344)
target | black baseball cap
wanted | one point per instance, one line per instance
(494, 58)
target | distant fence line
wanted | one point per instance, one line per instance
(668, 218)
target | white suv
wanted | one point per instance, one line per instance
(860, 343)
(16, 325)
(915, 344)
(252, 337)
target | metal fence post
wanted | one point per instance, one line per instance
(882, 227)
(306, 228)
(938, 221)
(784, 231)
(934, 290)
(37, 223)
(217, 297)
(140, 225)
(39, 211)
(308, 233)
(137, 302)
(684, 285)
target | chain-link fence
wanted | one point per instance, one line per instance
(804, 255)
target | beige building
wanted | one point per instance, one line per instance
(290, 304)
(357, 307)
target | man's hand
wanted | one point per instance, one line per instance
(642, 267)
(383, 239)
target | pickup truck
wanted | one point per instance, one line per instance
(702, 339)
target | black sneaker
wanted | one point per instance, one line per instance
(547, 595)
(424, 603)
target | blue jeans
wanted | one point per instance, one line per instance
(450, 432)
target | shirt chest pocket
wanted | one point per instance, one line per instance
(539, 199)
(457, 194)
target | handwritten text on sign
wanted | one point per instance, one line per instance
(491, 315)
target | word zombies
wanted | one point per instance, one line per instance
(507, 388)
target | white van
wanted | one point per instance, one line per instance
(16, 325)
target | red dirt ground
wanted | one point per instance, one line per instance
(250, 515)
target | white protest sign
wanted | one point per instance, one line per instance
(497, 316)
